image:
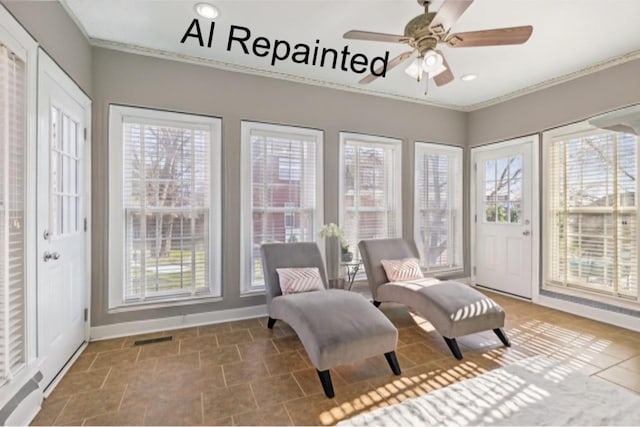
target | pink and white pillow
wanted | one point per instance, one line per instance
(400, 270)
(296, 280)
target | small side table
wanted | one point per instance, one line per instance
(352, 267)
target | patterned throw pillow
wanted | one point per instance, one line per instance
(296, 280)
(400, 270)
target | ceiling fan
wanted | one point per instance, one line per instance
(425, 31)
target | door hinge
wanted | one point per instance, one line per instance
(85, 134)
(85, 224)
(475, 167)
(86, 314)
(475, 218)
(474, 270)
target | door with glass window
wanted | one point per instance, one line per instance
(61, 227)
(503, 215)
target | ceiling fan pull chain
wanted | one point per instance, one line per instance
(426, 86)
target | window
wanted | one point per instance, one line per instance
(281, 191)
(503, 190)
(438, 206)
(13, 163)
(592, 211)
(164, 206)
(370, 192)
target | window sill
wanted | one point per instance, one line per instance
(253, 292)
(124, 308)
(592, 296)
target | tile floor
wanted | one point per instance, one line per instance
(241, 373)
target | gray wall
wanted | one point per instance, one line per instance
(51, 26)
(150, 82)
(564, 103)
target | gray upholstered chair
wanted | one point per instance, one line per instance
(335, 326)
(454, 309)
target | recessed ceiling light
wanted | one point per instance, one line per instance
(206, 10)
(469, 77)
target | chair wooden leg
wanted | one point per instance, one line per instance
(503, 336)
(271, 322)
(377, 303)
(392, 360)
(327, 386)
(453, 346)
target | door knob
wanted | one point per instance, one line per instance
(526, 233)
(51, 255)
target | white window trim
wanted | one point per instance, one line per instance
(577, 130)
(372, 141)
(422, 148)
(246, 229)
(16, 38)
(116, 211)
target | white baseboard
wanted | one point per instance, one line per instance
(593, 313)
(26, 410)
(598, 314)
(175, 322)
(21, 397)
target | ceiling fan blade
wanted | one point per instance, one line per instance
(378, 37)
(448, 14)
(446, 76)
(495, 37)
(392, 64)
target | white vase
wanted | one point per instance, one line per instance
(333, 257)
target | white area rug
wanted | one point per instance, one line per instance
(534, 391)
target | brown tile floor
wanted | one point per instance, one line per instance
(241, 373)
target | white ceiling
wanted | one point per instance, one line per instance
(570, 37)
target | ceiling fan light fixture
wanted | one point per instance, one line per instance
(206, 10)
(469, 77)
(415, 69)
(432, 62)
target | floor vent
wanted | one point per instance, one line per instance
(153, 340)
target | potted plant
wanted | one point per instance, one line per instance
(345, 254)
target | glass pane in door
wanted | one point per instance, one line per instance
(64, 174)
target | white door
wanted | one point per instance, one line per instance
(62, 241)
(504, 215)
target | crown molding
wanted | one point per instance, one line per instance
(598, 66)
(164, 54)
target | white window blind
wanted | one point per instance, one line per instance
(12, 213)
(438, 206)
(164, 210)
(370, 192)
(593, 212)
(281, 188)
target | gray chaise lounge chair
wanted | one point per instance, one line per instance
(335, 326)
(454, 309)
